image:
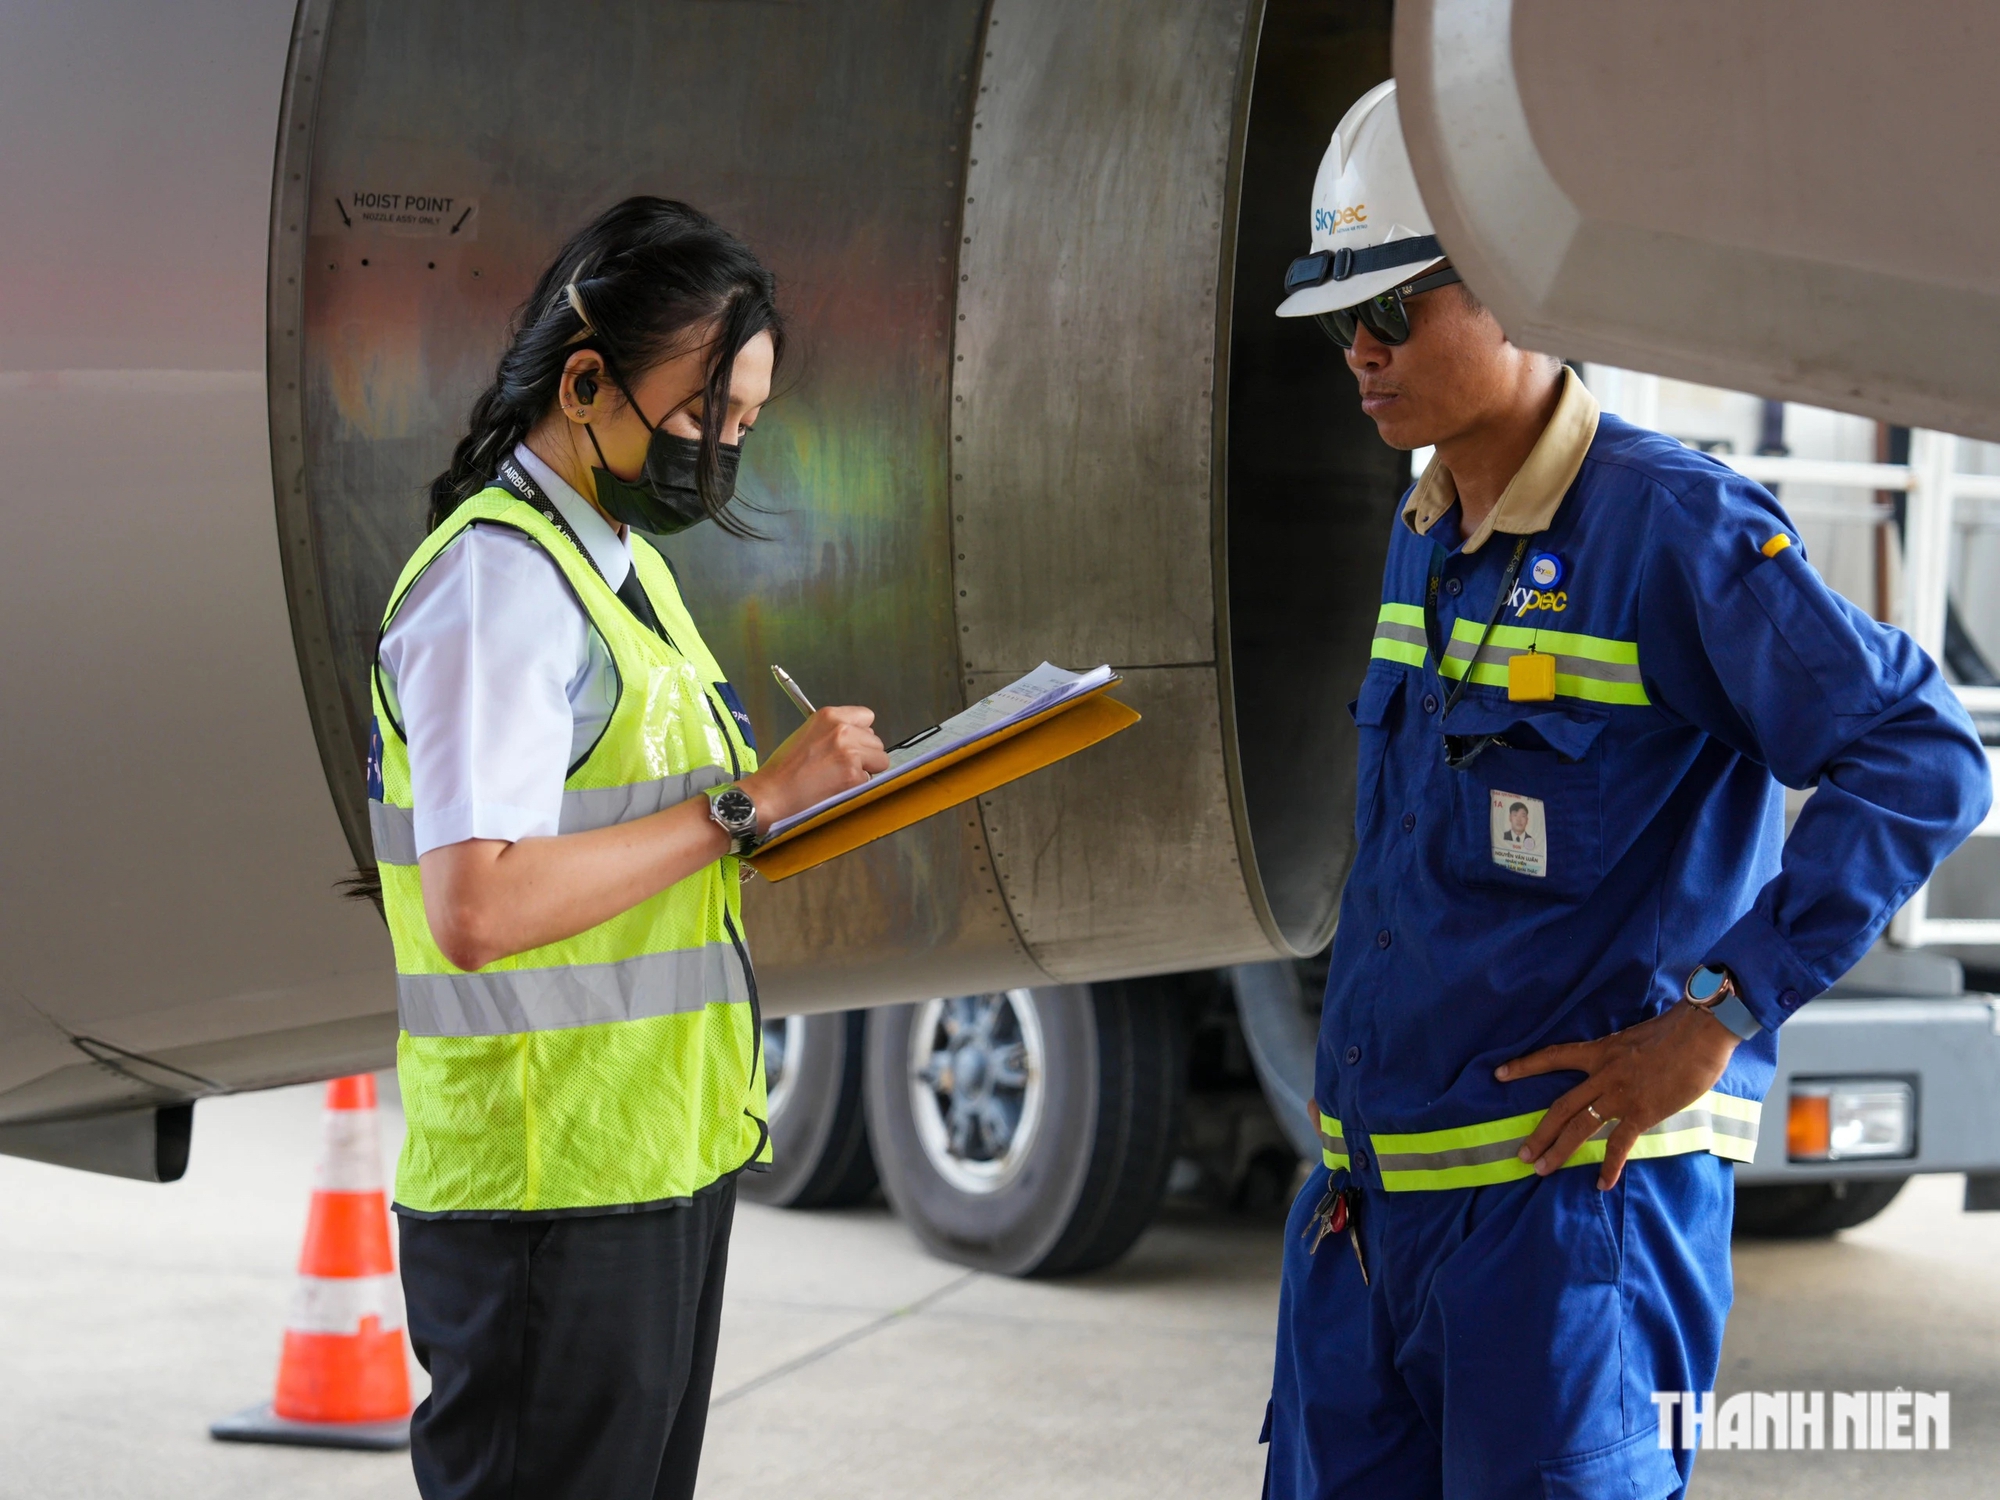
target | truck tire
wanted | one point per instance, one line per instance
(819, 1127)
(1027, 1132)
(1811, 1210)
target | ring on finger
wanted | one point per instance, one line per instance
(1591, 1110)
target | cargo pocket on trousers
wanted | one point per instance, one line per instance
(1636, 1469)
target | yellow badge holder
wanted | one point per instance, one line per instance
(1531, 677)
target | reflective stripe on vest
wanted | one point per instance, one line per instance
(519, 1000)
(1480, 1155)
(619, 1067)
(1587, 666)
(1399, 635)
(395, 828)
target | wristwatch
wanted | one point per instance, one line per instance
(736, 815)
(1713, 988)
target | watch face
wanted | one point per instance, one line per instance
(736, 810)
(1704, 984)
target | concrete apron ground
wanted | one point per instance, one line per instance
(853, 1365)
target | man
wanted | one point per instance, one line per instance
(1516, 848)
(1537, 1060)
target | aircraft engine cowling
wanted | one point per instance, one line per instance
(1040, 410)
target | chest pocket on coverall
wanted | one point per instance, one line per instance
(1373, 711)
(1546, 757)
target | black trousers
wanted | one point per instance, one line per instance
(569, 1356)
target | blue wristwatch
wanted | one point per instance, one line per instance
(1713, 988)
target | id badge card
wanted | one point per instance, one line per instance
(1520, 833)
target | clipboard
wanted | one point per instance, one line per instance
(968, 772)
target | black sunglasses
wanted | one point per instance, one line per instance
(1385, 316)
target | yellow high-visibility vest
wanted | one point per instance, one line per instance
(618, 1068)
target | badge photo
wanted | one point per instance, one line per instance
(1520, 834)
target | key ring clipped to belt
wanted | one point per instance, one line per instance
(1461, 750)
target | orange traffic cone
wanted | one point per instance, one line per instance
(342, 1380)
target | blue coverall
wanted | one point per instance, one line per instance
(1515, 1327)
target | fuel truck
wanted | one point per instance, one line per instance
(258, 256)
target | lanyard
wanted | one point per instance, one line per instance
(631, 593)
(515, 481)
(1467, 749)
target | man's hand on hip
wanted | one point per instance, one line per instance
(1637, 1078)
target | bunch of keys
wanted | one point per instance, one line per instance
(1339, 1209)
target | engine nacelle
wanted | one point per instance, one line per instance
(1042, 410)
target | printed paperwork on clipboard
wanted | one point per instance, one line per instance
(1030, 723)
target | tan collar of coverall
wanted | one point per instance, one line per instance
(1535, 493)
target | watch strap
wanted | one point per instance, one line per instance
(1733, 1013)
(1726, 1004)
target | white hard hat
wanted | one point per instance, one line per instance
(1370, 231)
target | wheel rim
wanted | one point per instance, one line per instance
(784, 1051)
(976, 1086)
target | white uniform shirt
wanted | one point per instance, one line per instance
(500, 680)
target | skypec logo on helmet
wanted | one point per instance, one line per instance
(1333, 220)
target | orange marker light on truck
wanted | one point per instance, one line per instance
(1808, 1128)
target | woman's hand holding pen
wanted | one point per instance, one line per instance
(487, 899)
(835, 749)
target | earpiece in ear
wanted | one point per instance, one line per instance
(586, 388)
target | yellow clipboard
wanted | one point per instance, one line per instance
(968, 772)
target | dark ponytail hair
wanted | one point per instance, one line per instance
(638, 284)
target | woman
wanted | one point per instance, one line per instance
(561, 783)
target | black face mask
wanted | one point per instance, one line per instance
(664, 498)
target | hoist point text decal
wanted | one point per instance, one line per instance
(410, 215)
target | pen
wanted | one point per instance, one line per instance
(792, 691)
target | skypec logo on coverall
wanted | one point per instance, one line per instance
(1877, 1421)
(1524, 599)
